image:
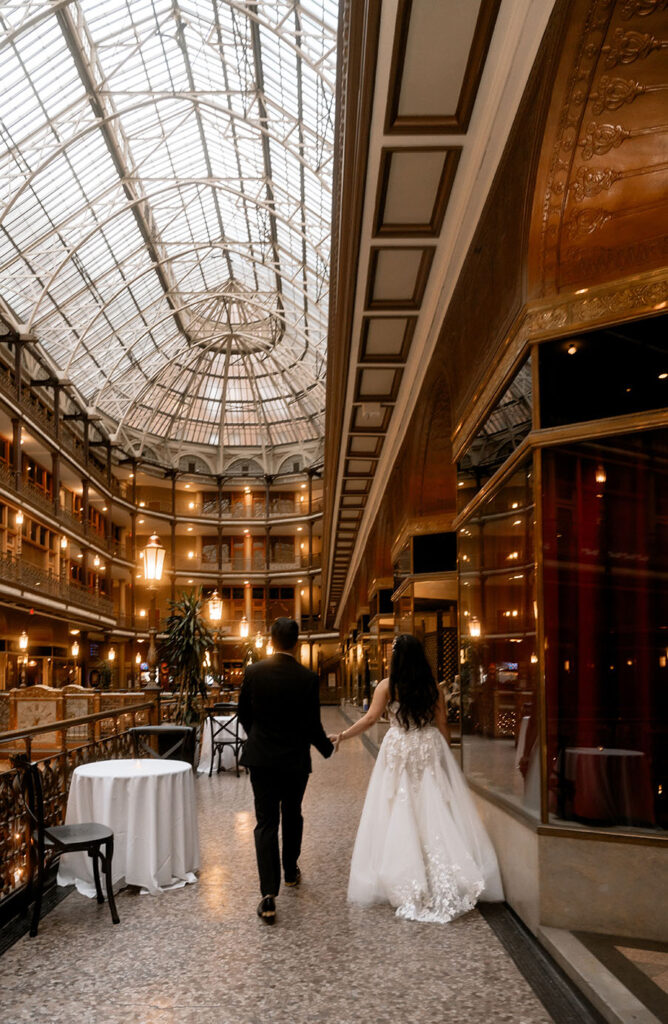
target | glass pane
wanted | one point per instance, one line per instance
(214, 266)
(606, 613)
(498, 662)
(611, 372)
(502, 432)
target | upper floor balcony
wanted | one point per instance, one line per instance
(45, 587)
(32, 497)
(256, 563)
(226, 510)
(259, 504)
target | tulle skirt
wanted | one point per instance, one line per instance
(421, 845)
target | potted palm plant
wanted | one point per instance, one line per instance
(187, 643)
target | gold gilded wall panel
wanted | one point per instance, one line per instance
(600, 211)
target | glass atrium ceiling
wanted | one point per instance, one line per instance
(165, 202)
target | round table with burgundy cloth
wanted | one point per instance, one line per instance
(608, 785)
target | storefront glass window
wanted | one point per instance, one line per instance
(498, 653)
(611, 372)
(605, 543)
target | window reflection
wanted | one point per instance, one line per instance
(498, 661)
(610, 372)
(605, 514)
(502, 432)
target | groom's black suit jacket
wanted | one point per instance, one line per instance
(279, 707)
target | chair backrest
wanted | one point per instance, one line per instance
(29, 788)
(225, 727)
(176, 742)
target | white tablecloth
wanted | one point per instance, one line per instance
(150, 805)
(227, 758)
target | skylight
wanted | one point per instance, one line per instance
(166, 175)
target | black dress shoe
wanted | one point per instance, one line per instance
(266, 909)
(295, 880)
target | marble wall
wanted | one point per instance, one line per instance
(579, 884)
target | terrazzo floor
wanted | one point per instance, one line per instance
(199, 955)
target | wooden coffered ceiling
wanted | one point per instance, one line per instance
(428, 93)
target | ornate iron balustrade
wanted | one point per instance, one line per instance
(73, 445)
(34, 496)
(17, 571)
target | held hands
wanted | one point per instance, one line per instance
(335, 739)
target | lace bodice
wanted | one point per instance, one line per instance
(414, 749)
(392, 709)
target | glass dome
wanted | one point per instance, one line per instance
(165, 209)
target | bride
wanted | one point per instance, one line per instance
(420, 844)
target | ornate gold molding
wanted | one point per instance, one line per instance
(542, 320)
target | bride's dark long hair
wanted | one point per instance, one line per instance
(412, 683)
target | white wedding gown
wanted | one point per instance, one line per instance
(421, 845)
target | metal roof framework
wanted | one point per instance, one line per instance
(165, 194)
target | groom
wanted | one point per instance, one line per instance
(279, 707)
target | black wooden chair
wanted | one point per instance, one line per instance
(224, 734)
(57, 839)
(173, 741)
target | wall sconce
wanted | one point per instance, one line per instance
(96, 562)
(23, 641)
(138, 660)
(19, 519)
(111, 654)
(474, 628)
(601, 475)
(75, 650)
(270, 648)
(259, 641)
(63, 543)
(243, 628)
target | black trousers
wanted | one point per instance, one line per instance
(278, 797)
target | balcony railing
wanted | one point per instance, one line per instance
(15, 570)
(31, 495)
(240, 563)
(73, 445)
(211, 508)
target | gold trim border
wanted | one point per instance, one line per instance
(585, 310)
